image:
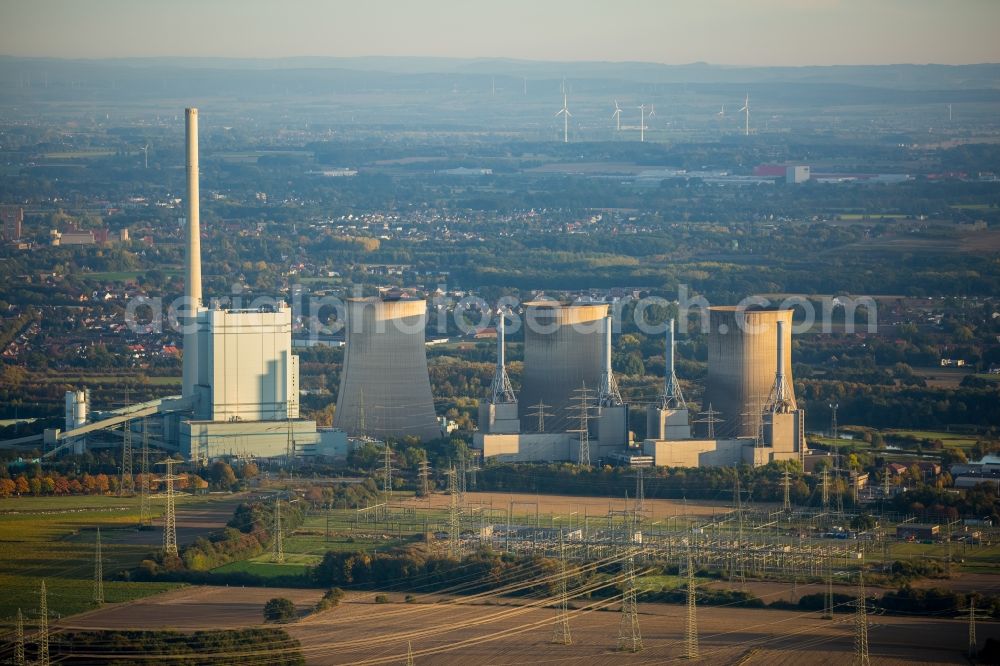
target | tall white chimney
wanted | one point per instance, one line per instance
(192, 282)
(608, 394)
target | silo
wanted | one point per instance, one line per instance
(385, 390)
(564, 347)
(742, 357)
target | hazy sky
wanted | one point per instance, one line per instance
(744, 32)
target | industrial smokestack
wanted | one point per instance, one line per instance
(673, 397)
(779, 374)
(501, 391)
(670, 355)
(608, 394)
(192, 286)
(192, 282)
(501, 355)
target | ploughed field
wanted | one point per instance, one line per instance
(443, 630)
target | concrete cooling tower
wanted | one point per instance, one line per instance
(385, 390)
(564, 347)
(742, 356)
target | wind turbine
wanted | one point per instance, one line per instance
(566, 114)
(642, 123)
(722, 112)
(617, 117)
(652, 110)
(145, 156)
(493, 87)
(746, 108)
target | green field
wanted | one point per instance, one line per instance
(52, 538)
(950, 439)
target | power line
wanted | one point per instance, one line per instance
(98, 572)
(828, 592)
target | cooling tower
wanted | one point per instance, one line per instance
(385, 390)
(564, 346)
(742, 357)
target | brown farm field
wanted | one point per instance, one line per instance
(563, 505)
(506, 631)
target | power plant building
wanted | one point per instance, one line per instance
(385, 389)
(240, 378)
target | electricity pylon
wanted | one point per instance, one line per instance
(786, 482)
(145, 517)
(561, 633)
(640, 494)
(825, 489)
(738, 568)
(387, 472)
(98, 572)
(425, 485)
(828, 593)
(583, 414)
(43, 628)
(710, 419)
(169, 517)
(19, 640)
(127, 484)
(277, 543)
(691, 631)
(454, 526)
(861, 657)
(540, 413)
(629, 636)
(973, 643)
(409, 653)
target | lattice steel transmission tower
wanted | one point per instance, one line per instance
(98, 571)
(19, 639)
(386, 472)
(828, 592)
(127, 484)
(973, 643)
(277, 540)
(861, 657)
(786, 484)
(824, 484)
(409, 653)
(691, 630)
(170, 516)
(561, 633)
(145, 516)
(738, 568)
(834, 406)
(454, 518)
(582, 410)
(424, 468)
(629, 636)
(709, 418)
(640, 494)
(540, 413)
(43, 628)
